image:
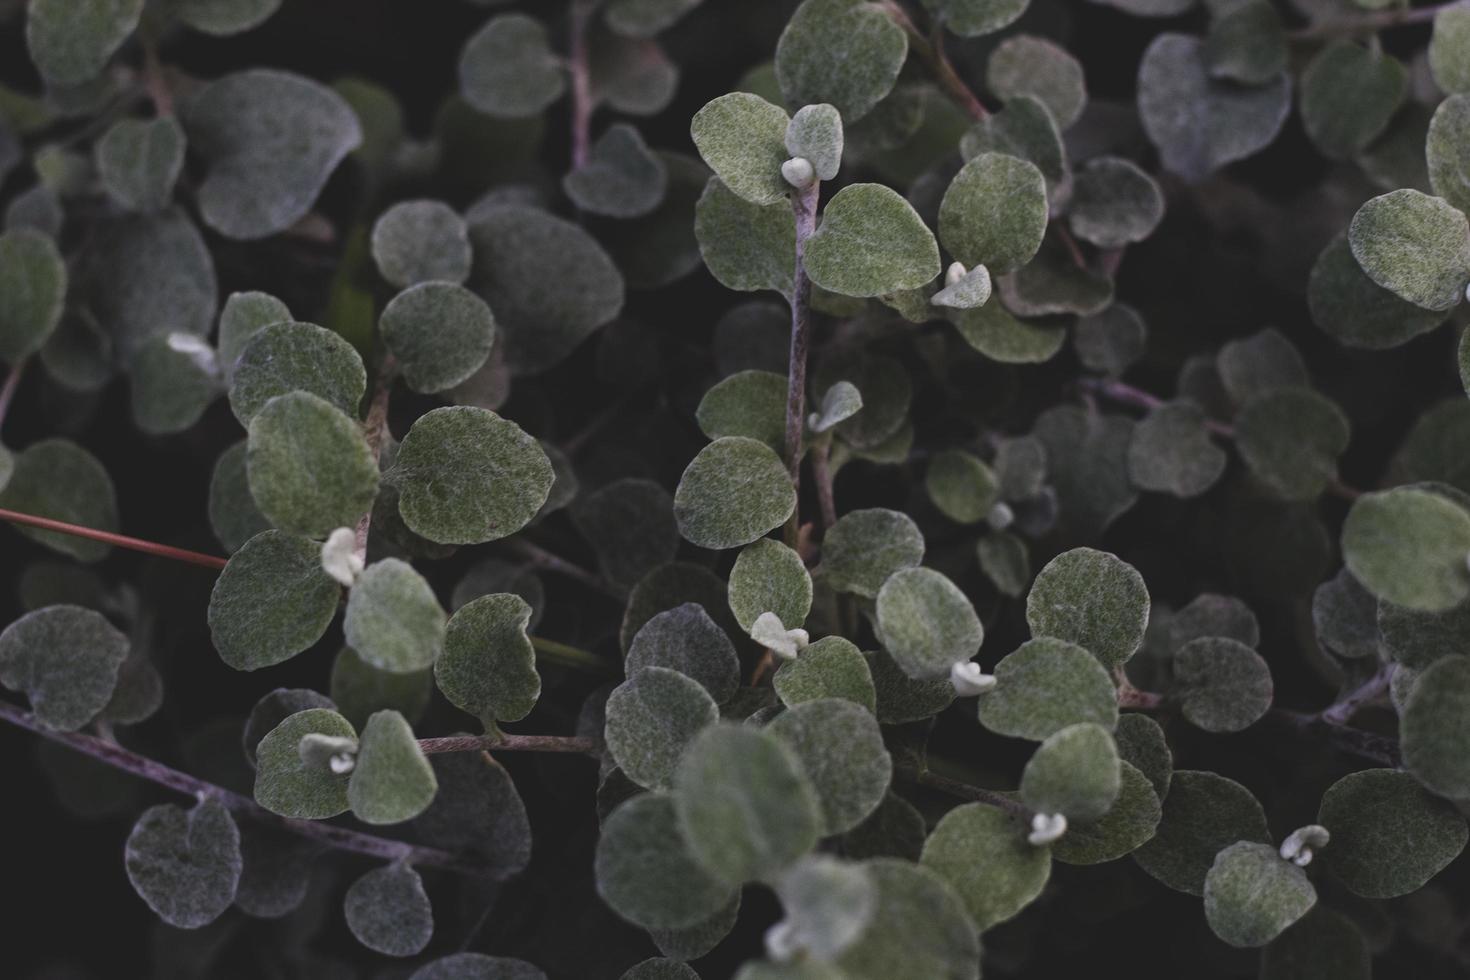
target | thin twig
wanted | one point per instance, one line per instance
(581, 75)
(932, 54)
(1341, 711)
(511, 743)
(11, 386)
(329, 835)
(1381, 749)
(154, 80)
(570, 656)
(963, 790)
(107, 537)
(373, 430)
(1348, 26)
(1073, 249)
(539, 557)
(822, 476)
(804, 212)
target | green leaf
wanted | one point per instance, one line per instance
(272, 601)
(871, 242)
(968, 292)
(829, 668)
(1354, 309)
(692, 942)
(393, 620)
(419, 241)
(143, 276)
(621, 178)
(1006, 562)
(1141, 744)
(276, 874)
(828, 905)
(659, 969)
(673, 585)
(886, 390)
(466, 476)
(838, 404)
(139, 161)
(1321, 945)
(632, 75)
(1291, 438)
(733, 492)
(388, 912)
(865, 547)
(1348, 95)
(1446, 147)
(1203, 813)
(994, 213)
(71, 41)
(1054, 283)
(1252, 894)
(32, 292)
(1045, 686)
(1408, 546)
(1434, 727)
(815, 135)
(1074, 772)
(1211, 615)
(920, 929)
(1247, 43)
(174, 379)
(769, 577)
(359, 689)
(1171, 452)
(630, 525)
(310, 468)
(273, 709)
(651, 718)
(1263, 362)
(742, 137)
(982, 852)
(488, 667)
(65, 659)
(1389, 837)
(841, 749)
(1414, 245)
(853, 76)
(660, 247)
(440, 334)
(477, 966)
(224, 17)
(79, 353)
(687, 640)
(646, 870)
(58, 479)
(994, 332)
(1200, 124)
(746, 246)
(477, 809)
(926, 623)
(1093, 599)
(272, 138)
(1449, 49)
(747, 403)
(645, 18)
(961, 486)
(973, 18)
(515, 246)
(285, 783)
(508, 70)
(1345, 617)
(185, 863)
(746, 808)
(244, 315)
(392, 781)
(1114, 203)
(1416, 638)
(1024, 64)
(1088, 454)
(288, 356)
(1129, 823)
(1222, 684)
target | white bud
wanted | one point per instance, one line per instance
(340, 558)
(197, 350)
(799, 172)
(1001, 516)
(954, 273)
(342, 763)
(1303, 842)
(780, 943)
(771, 633)
(335, 752)
(968, 679)
(1047, 827)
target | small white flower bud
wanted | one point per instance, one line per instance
(968, 679)
(334, 752)
(799, 172)
(771, 633)
(1303, 842)
(1047, 827)
(340, 558)
(954, 273)
(197, 350)
(1001, 516)
(780, 943)
(342, 763)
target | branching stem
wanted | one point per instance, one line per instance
(373, 430)
(539, 557)
(962, 790)
(579, 67)
(1341, 711)
(822, 476)
(931, 51)
(511, 743)
(1367, 23)
(804, 212)
(107, 537)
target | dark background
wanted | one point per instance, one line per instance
(68, 902)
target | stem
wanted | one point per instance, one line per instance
(963, 790)
(539, 557)
(154, 82)
(1341, 711)
(931, 51)
(822, 476)
(374, 428)
(511, 743)
(1354, 741)
(1132, 697)
(121, 541)
(569, 656)
(329, 835)
(581, 74)
(1367, 23)
(11, 386)
(804, 210)
(1073, 249)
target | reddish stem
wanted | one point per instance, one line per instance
(804, 211)
(11, 386)
(511, 743)
(107, 537)
(581, 74)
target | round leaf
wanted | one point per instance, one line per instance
(622, 178)
(1446, 148)
(841, 749)
(733, 492)
(65, 659)
(961, 486)
(1389, 837)
(865, 547)
(1409, 546)
(1171, 452)
(1434, 727)
(1114, 203)
(58, 479)
(388, 912)
(393, 620)
(508, 70)
(747, 403)
(1203, 813)
(70, 42)
(1027, 65)
(994, 213)
(742, 137)
(983, 853)
(285, 784)
(829, 668)
(815, 135)
(287, 356)
(440, 334)
(309, 466)
(919, 929)
(746, 246)
(1045, 686)
(647, 873)
(1252, 894)
(1093, 599)
(488, 666)
(1349, 93)
(139, 161)
(420, 241)
(1223, 685)
(1074, 772)
(32, 291)
(272, 601)
(651, 718)
(769, 577)
(185, 863)
(1414, 245)
(853, 76)
(1128, 824)
(871, 242)
(926, 623)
